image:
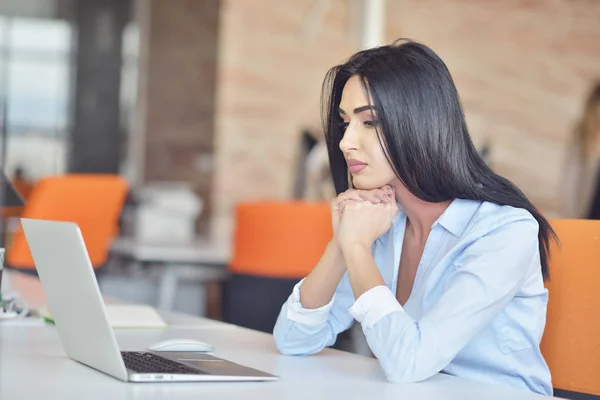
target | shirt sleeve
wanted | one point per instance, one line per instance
(486, 277)
(308, 316)
(302, 331)
(373, 305)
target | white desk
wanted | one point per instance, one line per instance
(198, 252)
(200, 261)
(33, 365)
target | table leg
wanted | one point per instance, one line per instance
(167, 289)
(201, 288)
(199, 276)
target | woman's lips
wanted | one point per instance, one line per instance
(356, 165)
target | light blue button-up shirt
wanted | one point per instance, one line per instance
(477, 309)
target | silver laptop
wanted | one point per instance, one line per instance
(77, 307)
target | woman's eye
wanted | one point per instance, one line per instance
(370, 124)
(344, 125)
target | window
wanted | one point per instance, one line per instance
(35, 75)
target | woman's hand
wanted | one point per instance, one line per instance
(362, 222)
(375, 196)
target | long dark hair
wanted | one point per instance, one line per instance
(423, 129)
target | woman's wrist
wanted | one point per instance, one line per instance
(362, 269)
(334, 248)
(348, 247)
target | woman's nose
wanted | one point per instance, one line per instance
(349, 141)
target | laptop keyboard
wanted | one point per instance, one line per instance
(148, 363)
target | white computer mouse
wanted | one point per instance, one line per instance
(187, 345)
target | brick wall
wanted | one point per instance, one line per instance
(178, 91)
(272, 60)
(521, 67)
(240, 79)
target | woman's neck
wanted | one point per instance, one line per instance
(421, 214)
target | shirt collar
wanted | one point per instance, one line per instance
(457, 216)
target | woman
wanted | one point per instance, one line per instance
(581, 189)
(440, 260)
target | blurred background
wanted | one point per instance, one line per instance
(209, 111)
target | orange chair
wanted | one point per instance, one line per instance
(94, 202)
(275, 245)
(283, 240)
(571, 341)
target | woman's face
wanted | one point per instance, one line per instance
(364, 154)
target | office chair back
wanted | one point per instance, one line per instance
(94, 202)
(571, 341)
(282, 240)
(275, 245)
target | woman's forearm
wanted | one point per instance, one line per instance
(319, 286)
(362, 269)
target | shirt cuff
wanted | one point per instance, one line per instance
(307, 316)
(373, 305)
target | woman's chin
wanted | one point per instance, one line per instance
(365, 184)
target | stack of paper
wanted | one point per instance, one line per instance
(125, 316)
